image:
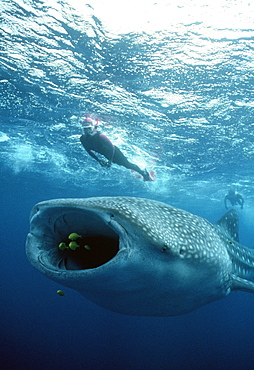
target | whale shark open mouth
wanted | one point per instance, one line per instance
(97, 242)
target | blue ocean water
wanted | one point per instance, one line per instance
(172, 85)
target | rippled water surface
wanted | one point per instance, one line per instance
(171, 83)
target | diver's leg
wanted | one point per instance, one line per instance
(120, 159)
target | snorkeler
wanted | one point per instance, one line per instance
(234, 198)
(94, 141)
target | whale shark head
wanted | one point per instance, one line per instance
(130, 255)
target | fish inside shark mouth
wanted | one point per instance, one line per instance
(94, 244)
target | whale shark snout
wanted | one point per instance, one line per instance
(137, 256)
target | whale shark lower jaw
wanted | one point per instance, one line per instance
(130, 255)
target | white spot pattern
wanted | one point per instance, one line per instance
(165, 225)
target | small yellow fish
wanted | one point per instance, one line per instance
(73, 245)
(60, 292)
(62, 246)
(74, 236)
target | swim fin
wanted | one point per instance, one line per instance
(152, 176)
(149, 175)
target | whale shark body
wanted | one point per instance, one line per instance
(138, 256)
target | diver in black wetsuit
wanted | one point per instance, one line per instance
(94, 141)
(234, 198)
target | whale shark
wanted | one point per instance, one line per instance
(137, 256)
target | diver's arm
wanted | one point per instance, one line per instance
(239, 200)
(102, 162)
(90, 152)
(225, 201)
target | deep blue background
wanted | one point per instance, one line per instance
(43, 330)
(178, 99)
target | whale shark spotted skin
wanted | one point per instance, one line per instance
(142, 257)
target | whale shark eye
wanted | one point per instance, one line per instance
(164, 248)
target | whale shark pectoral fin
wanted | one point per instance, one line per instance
(242, 284)
(229, 223)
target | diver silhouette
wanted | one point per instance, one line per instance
(93, 141)
(234, 198)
